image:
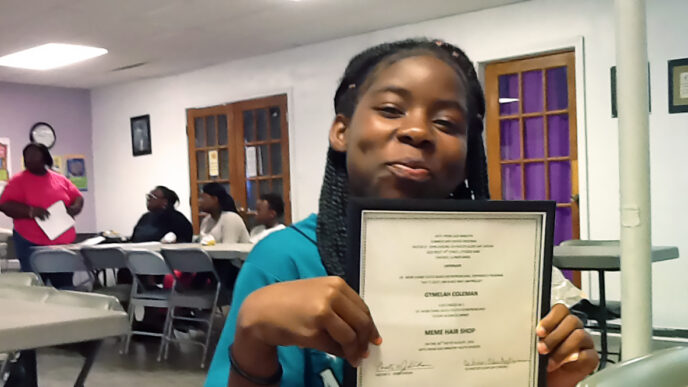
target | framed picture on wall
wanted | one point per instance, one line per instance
(678, 86)
(140, 135)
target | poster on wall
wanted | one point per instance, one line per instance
(5, 170)
(213, 164)
(251, 162)
(76, 171)
(58, 165)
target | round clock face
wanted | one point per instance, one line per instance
(43, 133)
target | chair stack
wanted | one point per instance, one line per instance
(8, 261)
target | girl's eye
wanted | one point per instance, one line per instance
(449, 126)
(445, 123)
(390, 112)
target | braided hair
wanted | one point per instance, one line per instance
(331, 227)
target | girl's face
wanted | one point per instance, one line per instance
(407, 136)
(155, 200)
(208, 203)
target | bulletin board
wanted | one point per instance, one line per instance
(5, 162)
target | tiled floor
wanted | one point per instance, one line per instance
(60, 367)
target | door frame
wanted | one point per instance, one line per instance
(577, 44)
(291, 128)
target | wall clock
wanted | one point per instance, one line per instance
(43, 133)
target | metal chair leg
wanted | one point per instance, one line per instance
(165, 334)
(603, 323)
(209, 325)
(5, 366)
(170, 331)
(130, 311)
(91, 353)
(211, 319)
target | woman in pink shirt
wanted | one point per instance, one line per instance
(26, 197)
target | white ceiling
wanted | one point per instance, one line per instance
(174, 36)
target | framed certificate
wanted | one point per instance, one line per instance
(678, 85)
(456, 289)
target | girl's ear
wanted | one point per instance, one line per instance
(338, 133)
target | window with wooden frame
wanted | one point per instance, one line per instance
(245, 147)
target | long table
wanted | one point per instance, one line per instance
(605, 257)
(228, 251)
(35, 317)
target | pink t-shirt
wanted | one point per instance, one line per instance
(40, 191)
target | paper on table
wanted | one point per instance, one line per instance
(93, 241)
(58, 222)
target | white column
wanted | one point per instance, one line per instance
(634, 173)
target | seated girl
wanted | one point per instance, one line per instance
(222, 224)
(408, 125)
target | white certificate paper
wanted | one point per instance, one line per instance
(455, 296)
(58, 222)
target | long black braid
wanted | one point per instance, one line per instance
(331, 228)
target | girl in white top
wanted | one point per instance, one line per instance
(223, 222)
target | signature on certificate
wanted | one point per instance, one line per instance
(493, 361)
(402, 367)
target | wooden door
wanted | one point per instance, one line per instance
(531, 135)
(263, 139)
(245, 147)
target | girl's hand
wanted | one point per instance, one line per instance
(572, 354)
(320, 313)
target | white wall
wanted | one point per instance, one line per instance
(310, 75)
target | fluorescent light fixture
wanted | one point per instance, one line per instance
(508, 100)
(50, 56)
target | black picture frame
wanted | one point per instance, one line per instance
(676, 103)
(612, 77)
(140, 135)
(358, 205)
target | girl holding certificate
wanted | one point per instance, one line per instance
(408, 125)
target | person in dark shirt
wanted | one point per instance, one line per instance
(162, 218)
(154, 226)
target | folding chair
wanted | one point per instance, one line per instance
(102, 259)
(146, 263)
(198, 262)
(60, 261)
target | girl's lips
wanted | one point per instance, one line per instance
(406, 172)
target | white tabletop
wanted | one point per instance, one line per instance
(220, 251)
(34, 317)
(605, 256)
